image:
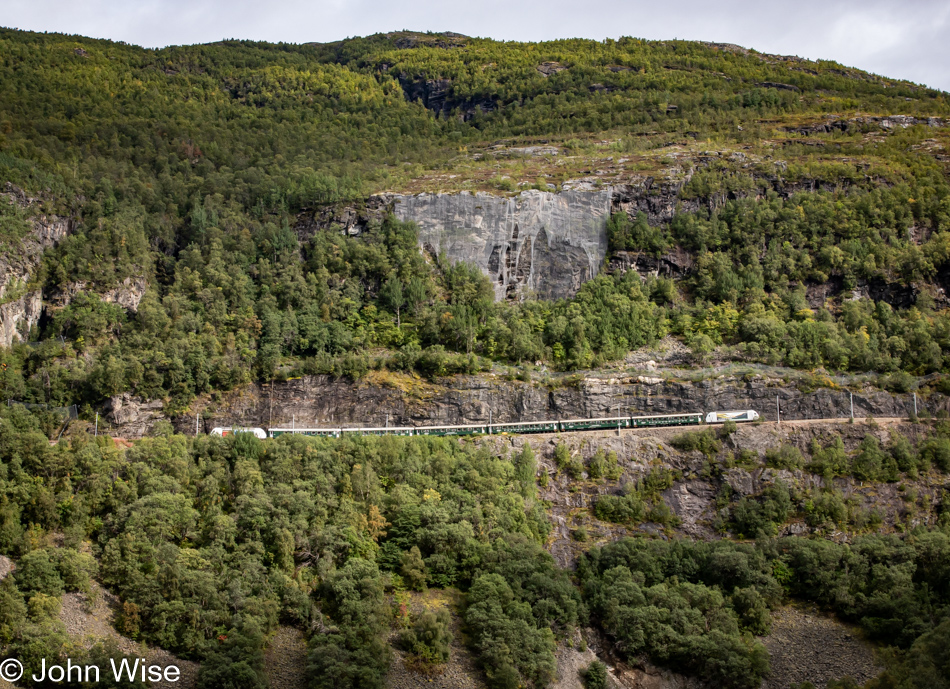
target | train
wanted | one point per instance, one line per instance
(723, 416)
(225, 431)
(516, 427)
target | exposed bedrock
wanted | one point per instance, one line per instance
(21, 302)
(18, 316)
(536, 243)
(324, 401)
(547, 244)
(693, 495)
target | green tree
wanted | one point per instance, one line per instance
(429, 638)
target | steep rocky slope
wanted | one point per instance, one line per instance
(538, 243)
(693, 495)
(400, 399)
(805, 646)
(547, 243)
(21, 299)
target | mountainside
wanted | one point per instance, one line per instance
(765, 206)
(416, 229)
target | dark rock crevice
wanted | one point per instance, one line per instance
(437, 96)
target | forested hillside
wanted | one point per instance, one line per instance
(172, 229)
(183, 170)
(211, 543)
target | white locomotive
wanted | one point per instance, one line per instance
(231, 430)
(723, 416)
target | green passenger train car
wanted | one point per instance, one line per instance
(594, 424)
(468, 429)
(391, 430)
(667, 420)
(313, 432)
(525, 427)
(520, 427)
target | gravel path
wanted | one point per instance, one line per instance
(805, 646)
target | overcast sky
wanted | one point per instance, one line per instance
(907, 39)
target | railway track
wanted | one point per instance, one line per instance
(617, 423)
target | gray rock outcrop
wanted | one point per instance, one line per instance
(317, 401)
(537, 243)
(21, 304)
(128, 294)
(17, 317)
(547, 244)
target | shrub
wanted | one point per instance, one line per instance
(614, 470)
(871, 463)
(784, 457)
(727, 428)
(514, 651)
(598, 465)
(832, 460)
(595, 676)
(628, 508)
(937, 452)
(648, 610)
(656, 481)
(825, 507)
(749, 515)
(705, 441)
(413, 569)
(752, 611)
(904, 454)
(429, 639)
(575, 469)
(239, 662)
(37, 572)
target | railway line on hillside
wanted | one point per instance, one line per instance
(623, 423)
(617, 423)
(883, 420)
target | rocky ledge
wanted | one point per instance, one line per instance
(399, 399)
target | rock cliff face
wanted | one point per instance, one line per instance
(20, 304)
(400, 400)
(693, 496)
(547, 244)
(437, 95)
(17, 317)
(537, 243)
(128, 294)
(541, 243)
(890, 122)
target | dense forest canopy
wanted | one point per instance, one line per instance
(211, 543)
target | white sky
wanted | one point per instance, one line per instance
(908, 39)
